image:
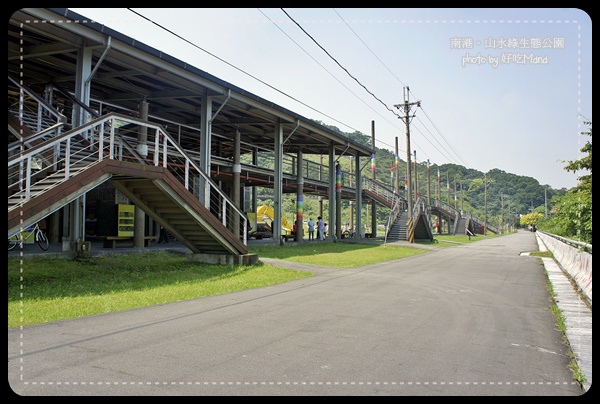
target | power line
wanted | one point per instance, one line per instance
(235, 67)
(331, 74)
(366, 46)
(248, 74)
(328, 54)
(338, 63)
(282, 92)
(434, 146)
(449, 145)
(400, 81)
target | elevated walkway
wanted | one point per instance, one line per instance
(61, 169)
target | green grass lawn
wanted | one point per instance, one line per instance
(46, 289)
(449, 241)
(341, 255)
(41, 290)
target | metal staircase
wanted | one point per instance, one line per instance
(461, 226)
(165, 183)
(381, 193)
(399, 228)
(50, 166)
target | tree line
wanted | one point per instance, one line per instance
(505, 199)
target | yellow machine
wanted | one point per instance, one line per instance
(266, 214)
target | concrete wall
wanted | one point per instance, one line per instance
(576, 263)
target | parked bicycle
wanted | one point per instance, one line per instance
(33, 231)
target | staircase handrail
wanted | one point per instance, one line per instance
(42, 135)
(420, 207)
(43, 104)
(483, 224)
(100, 145)
(397, 207)
(416, 210)
(456, 222)
(93, 113)
(426, 211)
(380, 189)
(443, 205)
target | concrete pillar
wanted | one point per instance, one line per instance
(278, 181)
(236, 190)
(299, 198)
(358, 188)
(338, 202)
(331, 225)
(139, 223)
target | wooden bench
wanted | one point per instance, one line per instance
(111, 241)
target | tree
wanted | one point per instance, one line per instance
(572, 217)
(585, 163)
(573, 211)
(531, 219)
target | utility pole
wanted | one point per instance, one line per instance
(397, 169)
(448, 185)
(406, 106)
(428, 183)
(439, 189)
(501, 212)
(417, 193)
(485, 202)
(455, 191)
(531, 205)
(373, 169)
(510, 218)
(462, 198)
(545, 202)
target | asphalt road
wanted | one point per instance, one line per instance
(469, 320)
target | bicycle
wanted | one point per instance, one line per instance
(19, 238)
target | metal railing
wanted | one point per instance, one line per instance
(114, 137)
(380, 189)
(573, 243)
(264, 157)
(37, 114)
(420, 207)
(51, 122)
(398, 206)
(486, 226)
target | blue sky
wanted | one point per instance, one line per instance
(504, 89)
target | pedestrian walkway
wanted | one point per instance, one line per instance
(577, 314)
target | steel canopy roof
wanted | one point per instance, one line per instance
(43, 46)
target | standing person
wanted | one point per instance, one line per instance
(325, 230)
(248, 227)
(320, 227)
(311, 229)
(163, 237)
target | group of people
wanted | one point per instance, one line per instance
(321, 228)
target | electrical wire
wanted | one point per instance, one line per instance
(330, 56)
